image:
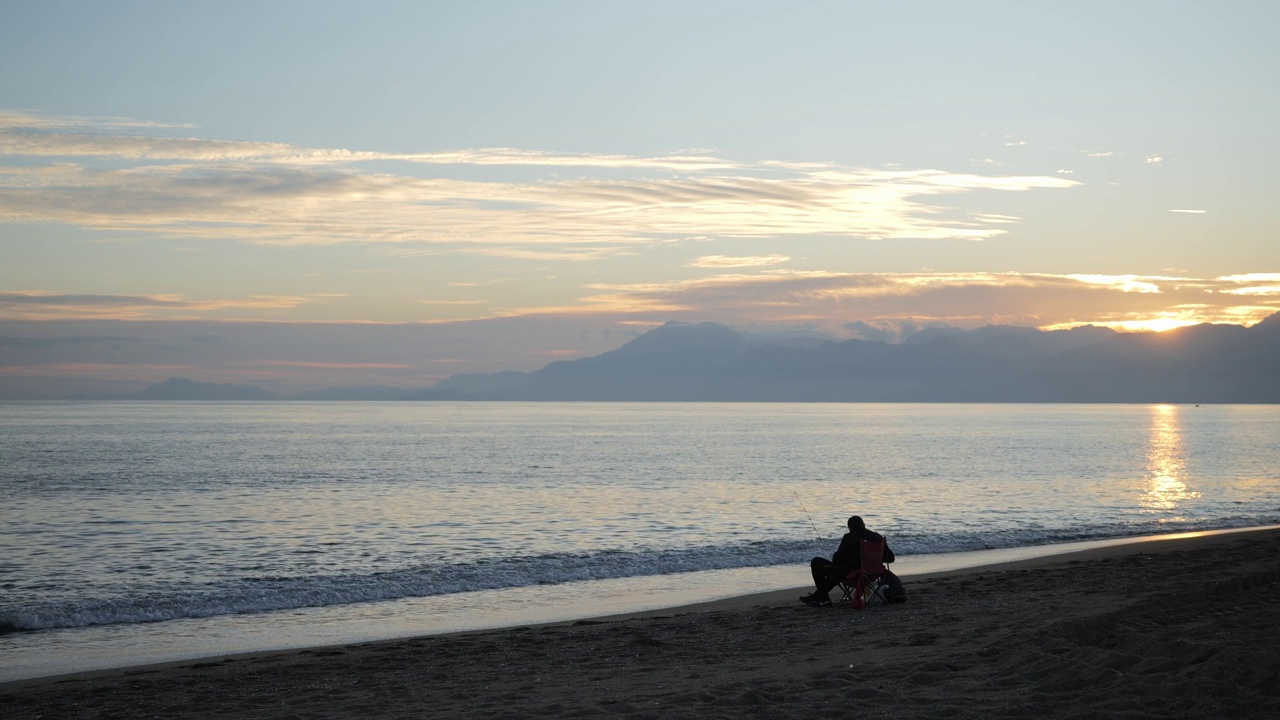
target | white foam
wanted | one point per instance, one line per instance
(263, 595)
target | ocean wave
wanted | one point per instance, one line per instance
(248, 595)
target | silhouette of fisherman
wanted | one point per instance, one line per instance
(828, 573)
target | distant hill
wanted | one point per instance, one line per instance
(708, 361)
(1045, 342)
(471, 383)
(184, 389)
(996, 363)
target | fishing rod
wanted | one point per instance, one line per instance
(806, 514)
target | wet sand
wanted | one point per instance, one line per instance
(1170, 628)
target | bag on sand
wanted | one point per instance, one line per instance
(895, 592)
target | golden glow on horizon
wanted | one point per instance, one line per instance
(1156, 325)
(1144, 325)
(1180, 317)
(1166, 463)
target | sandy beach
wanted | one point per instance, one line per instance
(1170, 628)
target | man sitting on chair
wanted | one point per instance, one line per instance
(828, 573)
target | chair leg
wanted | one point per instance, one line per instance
(851, 592)
(877, 592)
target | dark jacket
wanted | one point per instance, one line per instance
(850, 551)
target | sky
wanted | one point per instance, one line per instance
(298, 195)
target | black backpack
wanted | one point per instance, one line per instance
(894, 591)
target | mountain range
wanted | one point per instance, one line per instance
(1211, 363)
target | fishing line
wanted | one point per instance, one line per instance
(806, 514)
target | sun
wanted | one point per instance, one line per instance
(1155, 324)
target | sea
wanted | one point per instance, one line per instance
(134, 533)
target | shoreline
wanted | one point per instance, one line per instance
(1102, 549)
(766, 636)
(617, 595)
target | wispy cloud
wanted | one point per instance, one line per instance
(328, 365)
(100, 177)
(1272, 290)
(48, 342)
(997, 218)
(721, 261)
(1251, 278)
(29, 135)
(52, 306)
(18, 120)
(53, 300)
(1257, 284)
(1123, 283)
(137, 370)
(492, 281)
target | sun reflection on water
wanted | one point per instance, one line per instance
(1166, 487)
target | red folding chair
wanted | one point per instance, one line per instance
(865, 583)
